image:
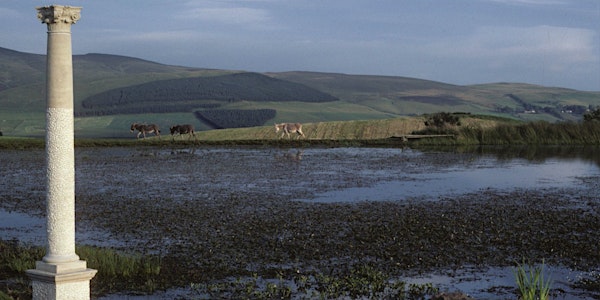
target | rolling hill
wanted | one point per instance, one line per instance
(113, 91)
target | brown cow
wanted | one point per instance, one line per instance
(183, 129)
(289, 128)
(143, 129)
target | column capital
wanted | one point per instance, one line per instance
(56, 14)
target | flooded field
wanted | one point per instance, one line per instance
(458, 219)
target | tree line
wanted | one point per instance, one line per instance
(148, 108)
(184, 93)
(235, 118)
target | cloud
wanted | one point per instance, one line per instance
(225, 14)
(162, 37)
(558, 48)
(531, 2)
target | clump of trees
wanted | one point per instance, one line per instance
(145, 108)
(442, 119)
(441, 123)
(235, 118)
(591, 116)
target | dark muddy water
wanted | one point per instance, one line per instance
(163, 177)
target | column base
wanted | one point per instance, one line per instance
(61, 281)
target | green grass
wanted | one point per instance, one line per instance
(121, 271)
(532, 282)
(21, 143)
(117, 126)
(117, 271)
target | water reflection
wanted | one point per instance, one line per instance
(27, 229)
(309, 174)
(532, 153)
(480, 174)
(289, 156)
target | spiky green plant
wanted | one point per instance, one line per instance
(531, 282)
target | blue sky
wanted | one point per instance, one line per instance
(546, 42)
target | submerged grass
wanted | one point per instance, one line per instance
(361, 282)
(324, 249)
(141, 274)
(590, 282)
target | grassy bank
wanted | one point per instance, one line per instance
(471, 130)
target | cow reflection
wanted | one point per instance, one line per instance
(289, 156)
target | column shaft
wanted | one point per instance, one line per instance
(60, 274)
(59, 147)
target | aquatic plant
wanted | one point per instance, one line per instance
(531, 282)
(362, 282)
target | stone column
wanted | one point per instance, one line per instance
(60, 274)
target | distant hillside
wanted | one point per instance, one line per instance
(111, 92)
(18, 69)
(187, 94)
(345, 83)
(410, 96)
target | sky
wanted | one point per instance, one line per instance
(545, 42)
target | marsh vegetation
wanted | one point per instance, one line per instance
(246, 220)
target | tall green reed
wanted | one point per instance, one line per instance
(533, 133)
(531, 282)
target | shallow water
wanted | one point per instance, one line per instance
(312, 175)
(21, 226)
(499, 283)
(481, 174)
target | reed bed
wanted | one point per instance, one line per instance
(533, 133)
